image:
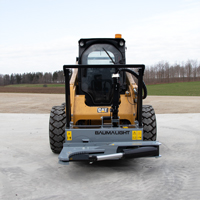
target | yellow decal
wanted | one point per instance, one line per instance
(69, 135)
(125, 126)
(136, 135)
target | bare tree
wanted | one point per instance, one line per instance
(177, 71)
(188, 68)
(162, 72)
(6, 79)
(1, 80)
(182, 72)
(198, 71)
(48, 77)
(166, 68)
(194, 68)
(146, 75)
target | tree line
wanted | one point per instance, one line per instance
(33, 78)
(162, 72)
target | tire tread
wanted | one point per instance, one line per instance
(149, 123)
(57, 123)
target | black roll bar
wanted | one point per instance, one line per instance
(67, 97)
(140, 68)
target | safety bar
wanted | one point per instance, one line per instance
(140, 68)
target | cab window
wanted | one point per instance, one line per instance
(101, 54)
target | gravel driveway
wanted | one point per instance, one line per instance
(42, 103)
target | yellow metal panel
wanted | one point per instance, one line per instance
(83, 112)
(80, 111)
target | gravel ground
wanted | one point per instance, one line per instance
(42, 103)
(29, 170)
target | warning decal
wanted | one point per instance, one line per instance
(136, 135)
(69, 135)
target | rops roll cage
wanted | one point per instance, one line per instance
(115, 104)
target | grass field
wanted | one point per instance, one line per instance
(175, 89)
(169, 89)
(36, 85)
(34, 88)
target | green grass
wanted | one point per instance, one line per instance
(36, 85)
(175, 89)
(168, 89)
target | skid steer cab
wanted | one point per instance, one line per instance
(103, 117)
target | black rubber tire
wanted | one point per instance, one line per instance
(57, 122)
(63, 104)
(149, 123)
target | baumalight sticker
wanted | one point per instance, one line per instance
(112, 132)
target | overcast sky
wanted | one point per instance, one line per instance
(42, 35)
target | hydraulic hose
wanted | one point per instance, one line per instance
(136, 75)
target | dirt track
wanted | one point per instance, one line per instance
(43, 90)
(42, 103)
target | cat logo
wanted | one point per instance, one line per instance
(102, 110)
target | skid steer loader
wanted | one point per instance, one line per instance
(103, 117)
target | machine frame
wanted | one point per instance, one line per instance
(111, 141)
